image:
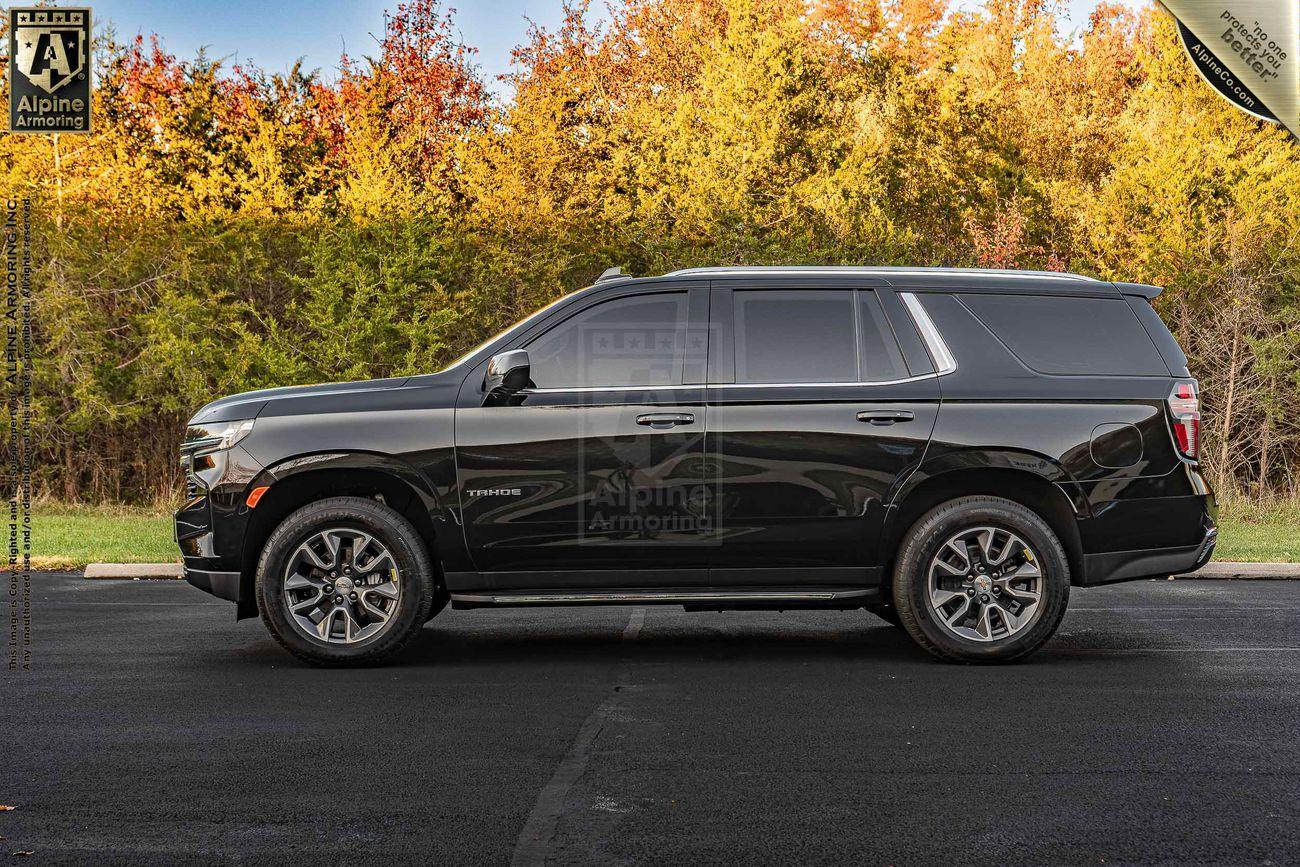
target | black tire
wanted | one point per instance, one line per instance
(923, 542)
(416, 577)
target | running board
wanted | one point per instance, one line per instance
(764, 597)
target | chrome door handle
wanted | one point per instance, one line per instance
(662, 420)
(886, 416)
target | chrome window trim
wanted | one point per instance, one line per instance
(595, 388)
(857, 384)
(943, 359)
(701, 385)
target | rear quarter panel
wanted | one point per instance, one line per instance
(996, 412)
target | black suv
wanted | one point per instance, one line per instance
(950, 449)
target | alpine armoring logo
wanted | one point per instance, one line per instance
(49, 70)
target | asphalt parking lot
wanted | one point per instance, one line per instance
(1162, 724)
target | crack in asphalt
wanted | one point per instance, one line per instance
(534, 844)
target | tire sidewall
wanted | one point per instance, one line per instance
(911, 585)
(389, 528)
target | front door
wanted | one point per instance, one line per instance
(593, 477)
(816, 414)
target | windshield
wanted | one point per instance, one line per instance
(518, 326)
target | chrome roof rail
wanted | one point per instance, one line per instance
(879, 271)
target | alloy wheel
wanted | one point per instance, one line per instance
(985, 584)
(342, 586)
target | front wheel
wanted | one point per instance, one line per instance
(981, 579)
(345, 581)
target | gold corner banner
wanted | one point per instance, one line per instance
(1247, 50)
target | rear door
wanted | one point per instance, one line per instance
(820, 404)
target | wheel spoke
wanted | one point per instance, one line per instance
(307, 604)
(388, 589)
(1022, 593)
(373, 564)
(1007, 549)
(941, 597)
(379, 614)
(359, 544)
(299, 581)
(960, 551)
(1011, 620)
(331, 544)
(1026, 570)
(960, 614)
(326, 625)
(949, 568)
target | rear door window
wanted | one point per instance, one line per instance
(1061, 335)
(813, 335)
(795, 336)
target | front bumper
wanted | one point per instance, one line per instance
(223, 585)
(210, 525)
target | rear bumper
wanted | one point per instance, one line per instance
(223, 585)
(1114, 566)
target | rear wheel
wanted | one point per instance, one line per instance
(981, 579)
(345, 581)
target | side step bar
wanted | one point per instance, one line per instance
(764, 597)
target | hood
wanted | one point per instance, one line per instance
(250, 404)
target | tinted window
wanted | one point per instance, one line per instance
(881, 358)
(635, 340)
(801, 336)
(1165, 342)
(1070, 335)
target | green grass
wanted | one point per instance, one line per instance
(1260, 532)
(69, 537)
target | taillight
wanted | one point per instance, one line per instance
(1185, 407)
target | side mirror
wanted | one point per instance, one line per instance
(508, 372)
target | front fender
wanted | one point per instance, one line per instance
(353, 460)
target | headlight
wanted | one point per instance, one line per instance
(216, 436)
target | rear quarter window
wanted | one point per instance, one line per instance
(1173, 354)
(1064, 336)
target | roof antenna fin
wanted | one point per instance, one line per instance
(611, 274)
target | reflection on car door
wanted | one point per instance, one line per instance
(816, 413)
(592, 477)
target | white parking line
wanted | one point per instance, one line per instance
(634, 624)
(1118, 651)
(534, 843)
(1190, 608)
